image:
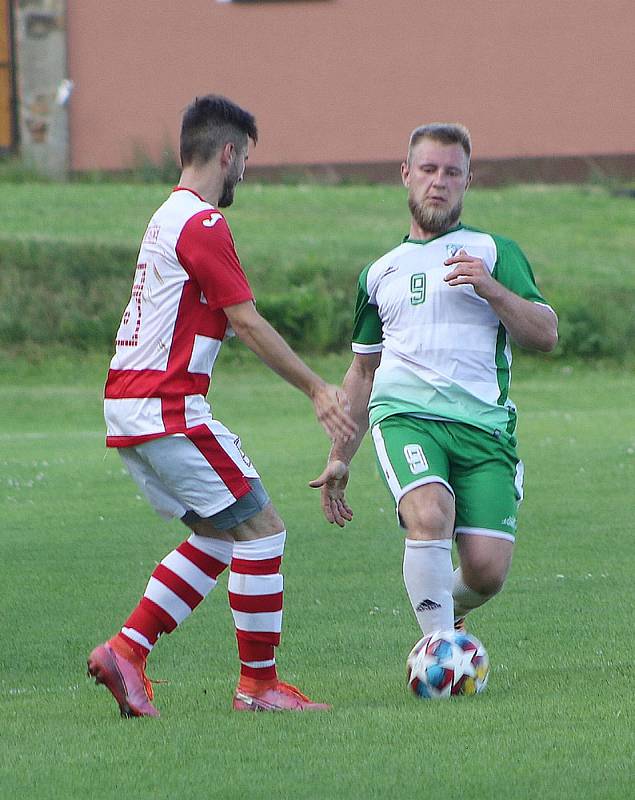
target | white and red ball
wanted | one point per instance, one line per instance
(447, 663)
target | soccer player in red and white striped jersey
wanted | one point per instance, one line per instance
(189, 293)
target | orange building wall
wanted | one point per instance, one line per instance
(333, 81)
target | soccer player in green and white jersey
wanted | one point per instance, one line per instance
(430, 376)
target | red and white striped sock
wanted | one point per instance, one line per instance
(255, 596)
(177, 586)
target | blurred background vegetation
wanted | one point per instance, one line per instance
(68, 254)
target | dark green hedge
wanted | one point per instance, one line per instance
(54, 292)
(58, 293)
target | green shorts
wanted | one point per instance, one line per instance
(481, 470)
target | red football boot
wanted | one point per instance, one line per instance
(281, 697)
(122, 672)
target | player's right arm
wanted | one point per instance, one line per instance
(330, 402)
(206, 250)
(357, 384)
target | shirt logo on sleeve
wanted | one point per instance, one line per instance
(152, 234)
(213, 219)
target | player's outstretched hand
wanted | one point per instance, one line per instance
(332, 483)
(332, 410)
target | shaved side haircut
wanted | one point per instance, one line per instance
(210, 122)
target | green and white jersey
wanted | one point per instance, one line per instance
(445, 353)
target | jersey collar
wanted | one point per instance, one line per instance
(185, 189)
(408, 240)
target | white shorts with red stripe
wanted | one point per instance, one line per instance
(203, 470)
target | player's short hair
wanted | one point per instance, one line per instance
(444, 132)
(210, 122)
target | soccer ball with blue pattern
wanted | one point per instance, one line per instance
(447, 663)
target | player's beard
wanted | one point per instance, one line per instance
(229, 187)
(434, 220)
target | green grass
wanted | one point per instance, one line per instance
(572, 234)
(77, 545)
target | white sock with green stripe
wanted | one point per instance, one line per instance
(465, 599)
(427, 574)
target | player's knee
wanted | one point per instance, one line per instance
(265, 523)
(427, 512)
(269, 522)
(429, 522)
(488, 580)
(485, 563)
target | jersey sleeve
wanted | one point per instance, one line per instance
(367, 327)
(513, 270)
(206, 251)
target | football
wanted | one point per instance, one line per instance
(447, 663)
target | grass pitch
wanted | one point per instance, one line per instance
(77, 545)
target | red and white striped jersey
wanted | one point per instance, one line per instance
(171, 331)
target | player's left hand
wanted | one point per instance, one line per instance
(471, 270)
(332, 483)
(332, 408)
